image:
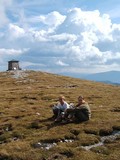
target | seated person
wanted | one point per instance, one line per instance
(81, 112)
(60, 108)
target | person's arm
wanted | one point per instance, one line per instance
(58, 106)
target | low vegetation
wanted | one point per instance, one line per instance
(25, 118)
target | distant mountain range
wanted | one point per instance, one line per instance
(111, 77)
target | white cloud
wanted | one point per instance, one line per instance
(76, 39)
(60, 63)
(4, 4)
(26, 64)
(52, 19)
(13, 52)
(16, 31)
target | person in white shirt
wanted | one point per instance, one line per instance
(60, 109)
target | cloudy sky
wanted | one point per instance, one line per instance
(61, 36)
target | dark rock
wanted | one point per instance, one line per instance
(105, 132)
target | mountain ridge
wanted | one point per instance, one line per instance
(112, 77)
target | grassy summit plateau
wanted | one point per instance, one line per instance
(26, 127)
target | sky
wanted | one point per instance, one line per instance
(60, 36)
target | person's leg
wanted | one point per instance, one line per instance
(69, 113)
(55, 112)
(80, 116)
(59, 116)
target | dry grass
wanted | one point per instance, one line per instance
(25, 112)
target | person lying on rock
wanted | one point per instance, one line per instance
(81, 112)
(59, 109)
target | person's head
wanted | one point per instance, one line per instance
(61, 99)
(81, 99)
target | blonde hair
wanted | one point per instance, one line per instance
(61, 97)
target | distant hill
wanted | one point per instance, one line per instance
(111, 77)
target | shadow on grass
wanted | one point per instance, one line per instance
(55, 124)
(50, 123)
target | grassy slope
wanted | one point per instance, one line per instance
(25, 112)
